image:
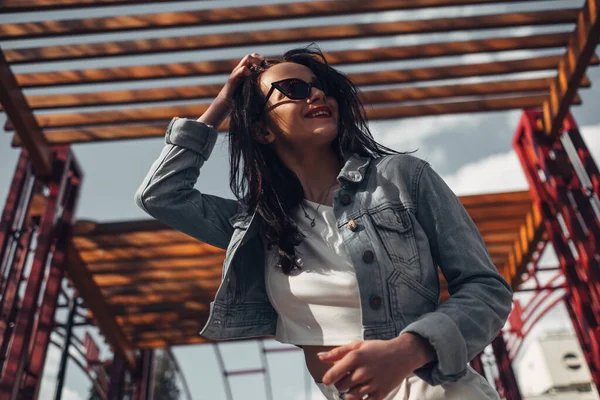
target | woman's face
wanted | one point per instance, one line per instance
(298, 122)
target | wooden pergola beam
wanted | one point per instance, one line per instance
(265, 37)
(194, 18)
(179, 275)
(190, 249)
(95, 301)
(158, 298)
(458, 107)
(199, 303)
(157, 128)
(580, 50)
(166, 331)
(153, 344)
(18, 112)
(530, 234)
(495, 199)
(153, 288)
(177, 263)
(344, 57)
(196, 92)
(371, 97)
(14, 6)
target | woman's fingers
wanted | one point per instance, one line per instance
(341, 368)
(247, 60)
(242, 69)
(359, 392)
(354, 379)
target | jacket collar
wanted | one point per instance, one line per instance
(354, 169)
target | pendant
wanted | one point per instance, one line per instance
(312, 224)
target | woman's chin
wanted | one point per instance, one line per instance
(326, 130)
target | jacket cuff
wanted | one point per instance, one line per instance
(192, 135)
(445, 337)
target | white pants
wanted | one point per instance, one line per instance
(472, 386)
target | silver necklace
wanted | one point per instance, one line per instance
(312, 220)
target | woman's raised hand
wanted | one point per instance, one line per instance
(221, 105)
(241, 71)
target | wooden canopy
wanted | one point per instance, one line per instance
(158, 282)
(152, 285)
(140, 113)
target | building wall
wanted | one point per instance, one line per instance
(553, 367)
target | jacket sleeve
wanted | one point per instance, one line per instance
(167, 193)
(480, 299)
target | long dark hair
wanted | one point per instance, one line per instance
(259, 178)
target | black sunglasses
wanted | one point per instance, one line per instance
(295, 88)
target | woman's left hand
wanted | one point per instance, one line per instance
(375, 367)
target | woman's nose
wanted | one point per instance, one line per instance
(316, 94)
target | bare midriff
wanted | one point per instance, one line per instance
(316, 367)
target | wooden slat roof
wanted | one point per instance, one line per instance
(140, 113)
(200, 18)
(158, 282)
(255, 38)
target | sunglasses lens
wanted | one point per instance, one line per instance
(295, 88)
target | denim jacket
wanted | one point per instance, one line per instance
(407, 222)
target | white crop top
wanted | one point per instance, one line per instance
(318, 304)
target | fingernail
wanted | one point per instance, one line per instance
(323, 354)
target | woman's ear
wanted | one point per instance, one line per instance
(262, 134)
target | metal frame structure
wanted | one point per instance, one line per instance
(41, 245)
(25, 330)
(564, 179)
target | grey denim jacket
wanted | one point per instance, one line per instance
(408, 221)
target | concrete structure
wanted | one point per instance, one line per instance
(553, 367)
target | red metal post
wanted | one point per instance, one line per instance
(8, 305)
(477, 364)
(564, 181)
(45, 321)
(14, 202)
(117, 378)
(18, 351)
(506, 380)
(144, 380)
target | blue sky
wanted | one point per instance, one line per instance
(472, 152)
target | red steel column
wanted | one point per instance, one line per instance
(18, 351)
(564, 180)
(117, 378)
(9, 301)
(477, 364)
(14, 202)
(144, 380)
(507, 378)
(45, 323)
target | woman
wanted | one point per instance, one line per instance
(334, 241)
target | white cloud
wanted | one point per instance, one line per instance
(408, 134)
(497, 173)
(591, 136)
(503, 172)
(70, 394)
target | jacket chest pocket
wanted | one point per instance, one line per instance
(395, 231)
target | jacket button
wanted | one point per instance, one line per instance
(368, 256)
(352, 225)
(346, 199)
(375, 302)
